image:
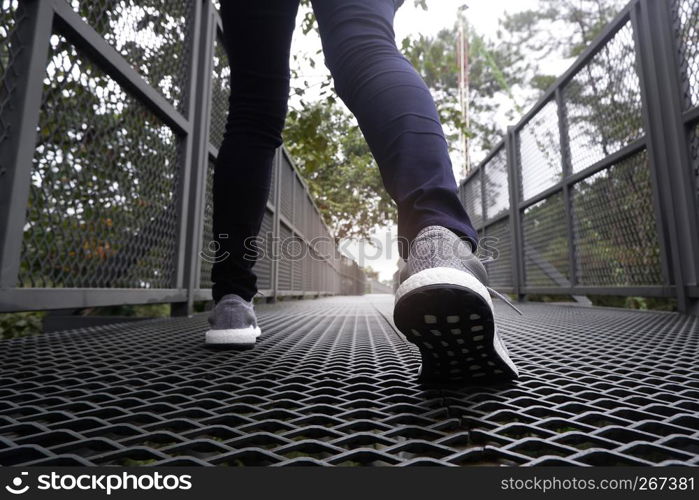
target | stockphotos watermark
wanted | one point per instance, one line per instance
(364, 252)
(102, 483)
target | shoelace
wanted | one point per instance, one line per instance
(504, 299)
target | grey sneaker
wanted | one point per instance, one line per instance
(233, 323)
(444, 307)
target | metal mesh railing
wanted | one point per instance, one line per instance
(207, 242)
(539, 151)
(11, 16)
(687, 32)
(499, 249)
(497, 186)
(116, 199)
(546, 243)
(589, 211)
(615, 234)
(102, 205)
(694, 154)
(686, 23)
(603, 103)
(220, 89)
(473, 200)
(154, 36)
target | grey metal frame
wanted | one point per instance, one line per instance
(667, 128)
(45, 17)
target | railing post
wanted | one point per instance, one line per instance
(24, 77)
(484, 218)
(668, 148)
(276, 231)
(515, 215)
(195, 162)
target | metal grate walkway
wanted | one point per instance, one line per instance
(331, 383)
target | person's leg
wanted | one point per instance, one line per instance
(257, 38)
(396, 113)
(443, 306)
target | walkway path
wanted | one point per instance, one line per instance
(331, 382)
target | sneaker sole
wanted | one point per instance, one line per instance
(452, 324)
(236, 338)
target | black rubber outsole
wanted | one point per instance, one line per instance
(229, 347)
(454, 328)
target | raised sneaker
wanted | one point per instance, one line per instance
(233, 324)
(444, 307)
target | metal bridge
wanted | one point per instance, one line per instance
(108, 130)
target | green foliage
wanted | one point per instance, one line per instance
(13, 325)
(341, 173)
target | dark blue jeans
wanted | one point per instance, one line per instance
(392, 104)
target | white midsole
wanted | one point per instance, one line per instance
(240, 336)
(444, 276)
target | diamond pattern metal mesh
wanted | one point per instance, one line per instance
(263, 265)
(102, 209)
(154, 36)
(498, 239)
(615, 233)
(694, 154)
(687, 30)
(603, 102)
(11, 16)
(220, 90)
(284, 263)
(287, 191)
(540, 152)
(473, 200)
(497, 194)
(207, 238)
(546, 243)
(330, 383)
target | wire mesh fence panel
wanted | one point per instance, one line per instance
(300, 200)
(284, 262)
(208, 245)
(540, 152)
(286, 203)
(497, 194)
(615, 233)
(603, 102)
(694, 156)
(497, 249)
(220, 90)
(473, 199)
(154, 36)
(102, 206)
(272, 196)
(308, 268)
(263, 265)
(686, 19)
(11, 17)
(297, 251)
(309, 213)
(546, 243)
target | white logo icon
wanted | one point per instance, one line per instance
(16, 487)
